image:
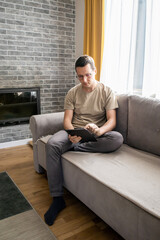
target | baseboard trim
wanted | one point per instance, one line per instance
(15, 143)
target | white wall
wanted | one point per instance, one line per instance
(80, 4)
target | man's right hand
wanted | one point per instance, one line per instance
(74, 139)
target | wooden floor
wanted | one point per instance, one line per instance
(75, 222)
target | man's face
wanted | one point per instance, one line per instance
(86, 76)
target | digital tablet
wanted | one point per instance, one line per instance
(83, 133)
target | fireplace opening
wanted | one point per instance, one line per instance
(17, 105)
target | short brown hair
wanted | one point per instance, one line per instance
(84, 60)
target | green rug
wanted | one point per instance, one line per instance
(18, 220)
(12, 201)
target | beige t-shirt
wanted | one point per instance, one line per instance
(90, 107)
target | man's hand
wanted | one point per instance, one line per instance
(74, 139)
(94, 129)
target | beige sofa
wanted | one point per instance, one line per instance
(123, 187)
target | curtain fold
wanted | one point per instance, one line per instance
(131, 59)
(151, 76)
(120, 45)
(94, 31)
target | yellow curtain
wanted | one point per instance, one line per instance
(94, 32)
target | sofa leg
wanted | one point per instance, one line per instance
(39, 169)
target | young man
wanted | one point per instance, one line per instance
(90, 105)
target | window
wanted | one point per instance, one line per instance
(131, 60)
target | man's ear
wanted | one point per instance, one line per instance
(95, 70)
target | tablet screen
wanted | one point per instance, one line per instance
(83, 133)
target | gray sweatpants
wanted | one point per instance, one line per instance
(59, 144)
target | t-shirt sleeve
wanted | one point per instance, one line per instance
(69, 101)
(111, 100)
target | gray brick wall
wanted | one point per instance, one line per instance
(37, 49)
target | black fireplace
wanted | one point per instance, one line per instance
(17, 105)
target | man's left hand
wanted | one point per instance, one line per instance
(94, 129)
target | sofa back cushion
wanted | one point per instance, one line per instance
(144, 124)
(122, 115)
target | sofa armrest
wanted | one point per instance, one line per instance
(43, 125)
(46, 124)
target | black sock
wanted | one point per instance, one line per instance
(57, 205)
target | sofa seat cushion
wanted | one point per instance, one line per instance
(133, 174)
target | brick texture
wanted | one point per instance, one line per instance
(37, 49)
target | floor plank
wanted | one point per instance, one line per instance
(75, 222)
